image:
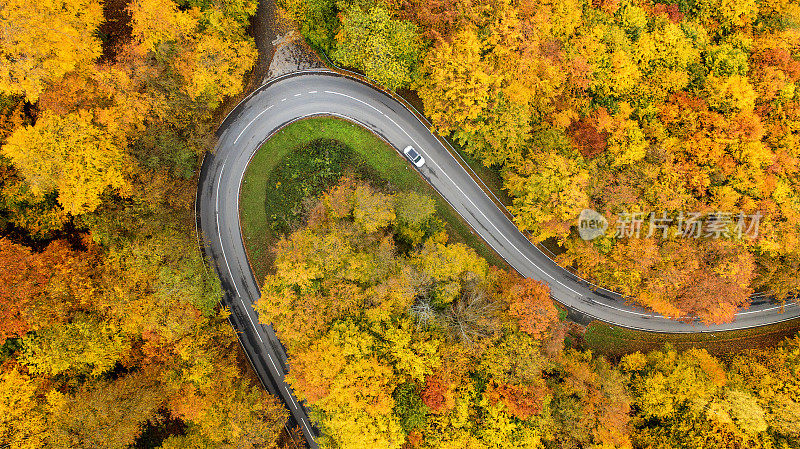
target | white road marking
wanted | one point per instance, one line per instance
(294, 403)
(253, 323)
(768, 309)
(239, 186)
(297, 95)
(283, 99)
(308, 430)
(222, 247)
(627, 311)
(273, 363)
(248, 356)
(460, 190)
(219, 234)
(312, 91)
(251, 122)
(219, 182)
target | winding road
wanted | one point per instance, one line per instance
(322, 92)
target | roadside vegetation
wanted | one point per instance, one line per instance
(615, 342)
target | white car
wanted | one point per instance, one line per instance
(413, 156)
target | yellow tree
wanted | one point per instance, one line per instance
(549, 192)
(688, 400)
(236, 415)
(86, 345)
(206, 48)
(450, 266)
(38, 215)
(43, 40)
(23, 420)
(458, 84)
(387, 50)
(770, 375)
(158, 25)
(106, 414)
(372, 210)
(216, 68)
(70, 155)
(342, 376)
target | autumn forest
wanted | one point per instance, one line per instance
(399, 333)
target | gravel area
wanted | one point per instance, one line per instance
(281, 48)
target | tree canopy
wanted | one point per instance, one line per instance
(621, 107)
(397, 343)
(110, 330)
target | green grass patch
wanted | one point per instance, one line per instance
(302, 173)
(289, 168)
(615, 341)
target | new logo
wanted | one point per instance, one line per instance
(591, 224)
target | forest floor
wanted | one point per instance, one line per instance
(369, 158)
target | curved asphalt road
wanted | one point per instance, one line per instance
(321, 92)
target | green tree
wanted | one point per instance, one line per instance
(415, 216)
(386, 49)
(408, 406)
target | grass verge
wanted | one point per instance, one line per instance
(371, 158)
(615, 341)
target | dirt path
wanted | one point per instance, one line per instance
(281, 48)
